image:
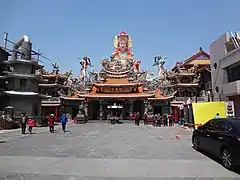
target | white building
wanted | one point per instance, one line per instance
(225, 69)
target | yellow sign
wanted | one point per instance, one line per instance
(202, 112)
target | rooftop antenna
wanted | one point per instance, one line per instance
(237, 36)
(235, 42)
(38, 54)
(5, 41)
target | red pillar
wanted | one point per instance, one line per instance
(56, 113)
(175, 114)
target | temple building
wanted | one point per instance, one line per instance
(53, 84)
(119, 89)
(191, 79)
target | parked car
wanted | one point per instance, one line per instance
(221, 138)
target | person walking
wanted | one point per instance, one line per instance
(51, 120)
(138, 118)
(165, 120)
(31, 124)
(64, 120)
(145, 117)
(217, 116)
(158, 120)
(135, 117)
(170, 119)
(154, 120)
(23, 122)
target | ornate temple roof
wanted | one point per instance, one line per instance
(53, 85)
(200, 62)
(199, 53)
(120, 77)
(200, 58)
(54, 76)
(160, 96)
(108, 95)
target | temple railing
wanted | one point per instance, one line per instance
(198, 99)
(52, 99)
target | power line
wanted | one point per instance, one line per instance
(10, 50)
(35, 53)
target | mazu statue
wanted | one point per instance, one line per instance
(122, 58)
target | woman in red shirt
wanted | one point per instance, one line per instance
(31, 124)
(51, 120)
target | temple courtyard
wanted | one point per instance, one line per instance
(96, 151)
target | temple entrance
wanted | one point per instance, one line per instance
(75, 110)
(157, 110)
(93, 110)
(113, 109)
(161, 107)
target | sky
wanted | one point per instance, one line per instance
(66, 29)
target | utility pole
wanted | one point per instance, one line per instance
(5, 41)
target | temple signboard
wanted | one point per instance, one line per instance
(117, 90)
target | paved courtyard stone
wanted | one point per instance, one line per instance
(104, 151)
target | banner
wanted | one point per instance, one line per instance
(229, 106)
(204, 111)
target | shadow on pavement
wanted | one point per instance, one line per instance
(218, 160)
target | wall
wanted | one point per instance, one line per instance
(22, 68)
(231, 58)
(32, 85)
(4, 102)
(3, 55)
(14, 84)
(10, 84)
(25, 104)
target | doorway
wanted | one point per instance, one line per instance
(113, 108)
(138, 107)
(93, 110)
(157, 110)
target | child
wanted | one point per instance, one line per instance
(30, 125)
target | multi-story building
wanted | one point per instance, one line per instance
(225, 65)
(3, 57)
(21, 81)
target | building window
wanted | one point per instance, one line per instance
(36, 110)
(215, 66)
(33, 69)
(23, 84)
(233, 73)
(217, 89)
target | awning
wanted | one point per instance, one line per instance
(114, 107)
(21, 93)
(50, 105)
